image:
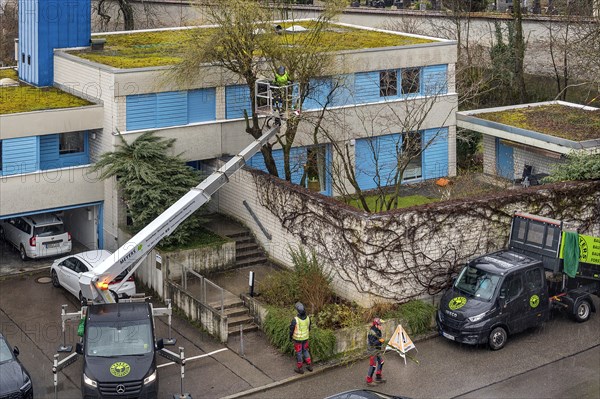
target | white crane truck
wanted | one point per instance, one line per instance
(119, 346)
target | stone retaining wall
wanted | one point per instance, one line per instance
(397, 255)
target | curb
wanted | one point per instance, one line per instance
(316, 371)
(18, 273)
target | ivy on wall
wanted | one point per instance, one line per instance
(409, 253)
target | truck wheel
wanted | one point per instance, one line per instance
(497, 338)
(583, 311)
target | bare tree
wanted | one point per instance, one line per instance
(9, 30)
(247, 45)
(403, 151)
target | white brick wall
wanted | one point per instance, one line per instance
(398, 256)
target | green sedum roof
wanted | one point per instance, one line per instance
(556, 120)
(147, 49)
(25, 98)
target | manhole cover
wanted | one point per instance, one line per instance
(43, 280)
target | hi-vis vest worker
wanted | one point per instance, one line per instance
(301, 329)
(282, 78)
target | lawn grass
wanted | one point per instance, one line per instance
(25, 98)
(403, 202)
(146, 49)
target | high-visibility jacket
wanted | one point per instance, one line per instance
(282, 80)
(301, 329)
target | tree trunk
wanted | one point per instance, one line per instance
(128, 15)
(519, 52)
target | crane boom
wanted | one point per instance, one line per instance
(94, 282)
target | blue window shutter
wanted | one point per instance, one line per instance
(171, 108)
(297, 162)
(376, 160)
(435, 155)
(319, 89)
(20, 155)
(366, 87)
(435, 80)
(344, 89)
(141, 111)
(237, 98)
(49, 146)
(202, 105)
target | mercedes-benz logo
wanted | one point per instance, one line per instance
(120, 388)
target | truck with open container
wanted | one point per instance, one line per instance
(545, 266)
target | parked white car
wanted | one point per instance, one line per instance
(66, 271)
(36, 236)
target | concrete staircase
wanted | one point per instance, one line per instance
(237, 315)
(247, 250)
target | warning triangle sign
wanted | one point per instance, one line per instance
(400, 342)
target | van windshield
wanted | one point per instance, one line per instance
(119, 338)
(477, 283)
(49, 230)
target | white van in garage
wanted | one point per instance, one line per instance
(36, 236)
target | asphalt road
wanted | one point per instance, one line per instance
(558, 360)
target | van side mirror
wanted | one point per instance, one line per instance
(160, 344)
(79, 348)
(16, 351)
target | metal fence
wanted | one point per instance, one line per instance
(201, 288)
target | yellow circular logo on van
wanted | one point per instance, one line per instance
(457, 303)
(120, 369)
(534, 301)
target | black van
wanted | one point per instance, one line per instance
(495, 295)
(119, 351)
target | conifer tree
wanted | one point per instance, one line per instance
(150, 180)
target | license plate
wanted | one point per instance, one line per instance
(448, 336)
(53, 245)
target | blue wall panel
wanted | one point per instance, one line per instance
(171, 108)
(366, 87)
(237, 98)
(49, 147)
(376, 160)
(435, 80)
(202, 105)
(141, 112)
(20, 155)
(435, 156)
(318, 91)
(45, 25)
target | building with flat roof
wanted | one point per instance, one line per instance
(47, 152)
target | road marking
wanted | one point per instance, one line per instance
(187, 359)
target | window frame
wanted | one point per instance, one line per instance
(388, 83)
(412, 81)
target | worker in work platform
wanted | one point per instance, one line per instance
(299, 331)
(282, 80)
(374, 343)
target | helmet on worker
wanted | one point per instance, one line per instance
(281, 70)
(300, 308)
(377, 321)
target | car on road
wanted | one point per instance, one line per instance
(36, 236)
(15, 381)
(66, 271)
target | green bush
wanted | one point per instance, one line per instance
(279, 289)
(313, 283)
(418, 315)
(277, 328)
(307, 283)
(339, 315)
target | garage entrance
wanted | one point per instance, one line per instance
(83, 221)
